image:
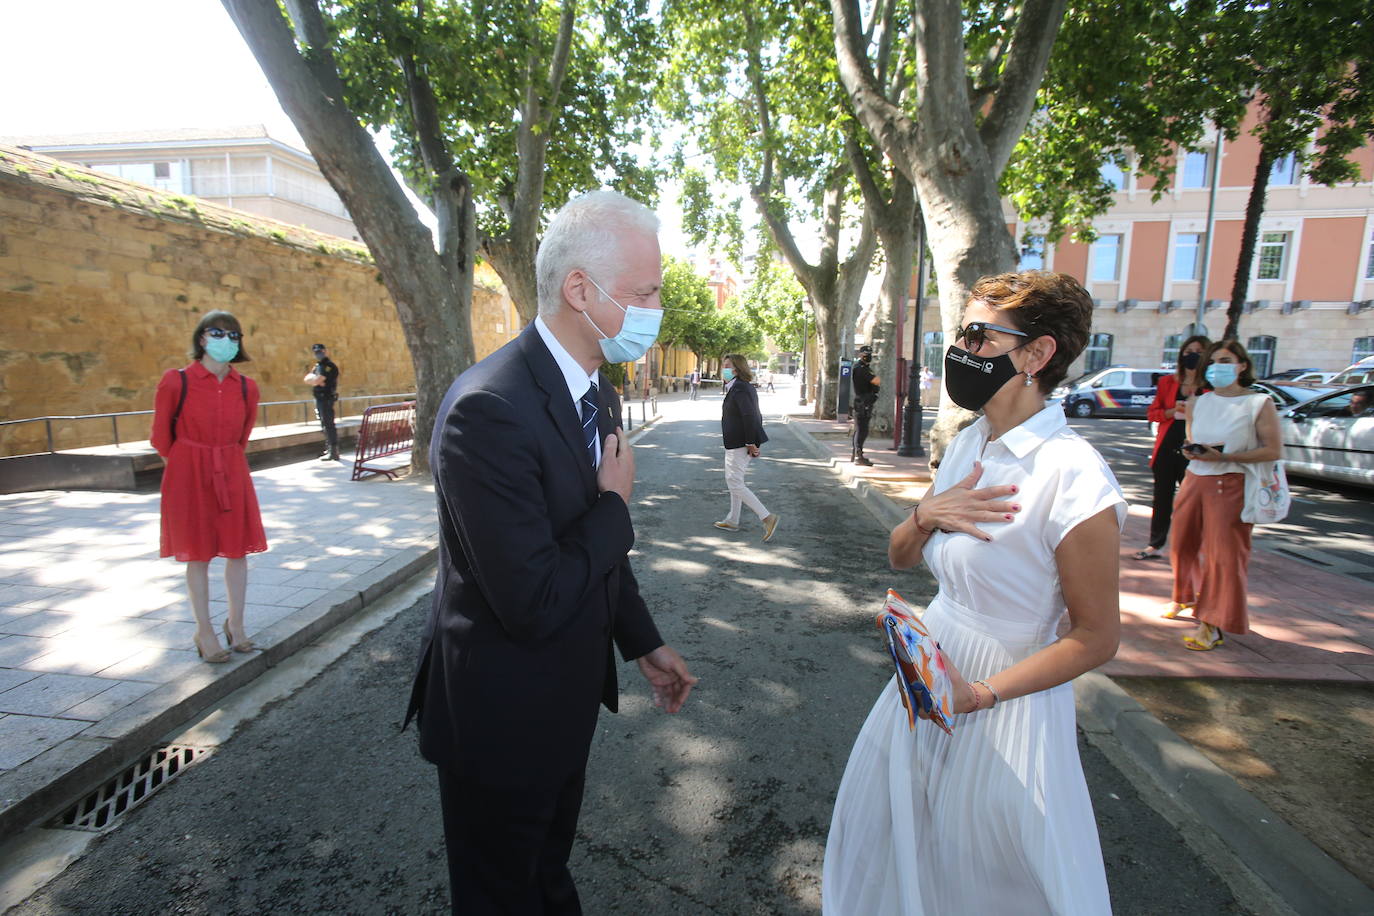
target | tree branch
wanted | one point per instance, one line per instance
(1029, 55)
(888, 124)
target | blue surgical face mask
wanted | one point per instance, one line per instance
(727, 374)
(1221, 375)
(221, 350)
(637, 333)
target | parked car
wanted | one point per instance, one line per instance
(1286, 396)
(1288, 374)
(1313, 378)
(1116, 391)
(1332, 436)
(1362, 373)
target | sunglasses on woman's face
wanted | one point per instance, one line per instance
(220, 334)
(975, 333)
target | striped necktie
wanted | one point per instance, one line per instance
(588, 405)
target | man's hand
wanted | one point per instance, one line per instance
(617, 471)
(753, 450)
(667, 674)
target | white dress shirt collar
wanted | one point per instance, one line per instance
(577, 378)
(1033, 431)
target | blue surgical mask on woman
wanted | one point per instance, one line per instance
(1221, 375)
(728, 374)
(222, 349)
(637, 333)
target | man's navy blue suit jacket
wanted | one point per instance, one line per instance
(534, 580)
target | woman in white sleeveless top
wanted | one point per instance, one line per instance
(1228, 427)
(1023, 520)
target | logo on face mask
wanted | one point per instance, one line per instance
(970, 381)
(637, 333)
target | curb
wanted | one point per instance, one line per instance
(41, 788)
(878, 504)
(1290, 865)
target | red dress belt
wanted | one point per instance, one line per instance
(220, 476)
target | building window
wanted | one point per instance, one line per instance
(1261, 351)
(1197, 172)
(1106, 259)
(162, 170)
(1171, 344)
(1113, 176)
(1364, 348)
(1032, 253)
(1284, 170)
(1369, 258)
(933, 352)
(1187, 255)
(1098, 354)
(1272, 262)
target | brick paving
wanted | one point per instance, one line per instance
(1308, 624)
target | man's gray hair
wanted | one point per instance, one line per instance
(583, 235)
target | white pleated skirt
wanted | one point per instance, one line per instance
(993, 819)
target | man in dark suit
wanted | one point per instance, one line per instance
(533, 477)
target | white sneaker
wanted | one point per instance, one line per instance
(727, 525)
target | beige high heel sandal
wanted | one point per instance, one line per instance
(246, 646)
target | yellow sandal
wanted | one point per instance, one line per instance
(1175, 609)
(1203, 645)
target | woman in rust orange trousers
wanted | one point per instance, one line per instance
(1227, 428)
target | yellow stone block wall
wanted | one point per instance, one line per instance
(97, 300)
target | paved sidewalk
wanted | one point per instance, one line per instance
(1308, 624)
(96, 657)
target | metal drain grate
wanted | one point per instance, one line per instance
(130, 788)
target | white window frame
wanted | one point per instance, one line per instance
(1292, 162)
(1092, 257)
(1032, 242)
(1206, 154)
(1284, 260)
(1358, 353)
(1195, 274)
(1094, 346)
(1121, 171)
(1171, 344)
(1369, 256)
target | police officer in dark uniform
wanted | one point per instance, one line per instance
(865, 397)
(324, 375)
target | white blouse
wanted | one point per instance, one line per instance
(1219, 420)
(1063, 482)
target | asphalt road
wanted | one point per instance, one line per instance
(320, 805)
(1329, 524)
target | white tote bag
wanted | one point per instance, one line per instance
(1266, 493)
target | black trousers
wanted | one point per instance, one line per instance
(324, 406)
(1169, 468)
(861, 418)
(508, 846)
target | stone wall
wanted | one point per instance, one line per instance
(102, 282)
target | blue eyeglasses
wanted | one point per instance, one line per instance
(221, 333)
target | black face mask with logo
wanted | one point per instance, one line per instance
(1190, 360)
(973, 380)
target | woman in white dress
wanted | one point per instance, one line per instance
(1022, 524)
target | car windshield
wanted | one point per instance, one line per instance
(1074, 383)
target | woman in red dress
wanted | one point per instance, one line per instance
(201, 423)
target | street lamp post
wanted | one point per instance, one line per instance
(802, 401)
(912, 415)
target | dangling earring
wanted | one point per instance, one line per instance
(1030, 380)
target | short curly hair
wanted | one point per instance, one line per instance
(1042, 304)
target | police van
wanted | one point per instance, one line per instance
(1116, 391)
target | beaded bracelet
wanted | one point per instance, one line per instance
(977, 700)
(995, 698)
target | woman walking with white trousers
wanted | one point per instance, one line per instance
(741, 426)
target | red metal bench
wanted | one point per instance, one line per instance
(387, 429)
